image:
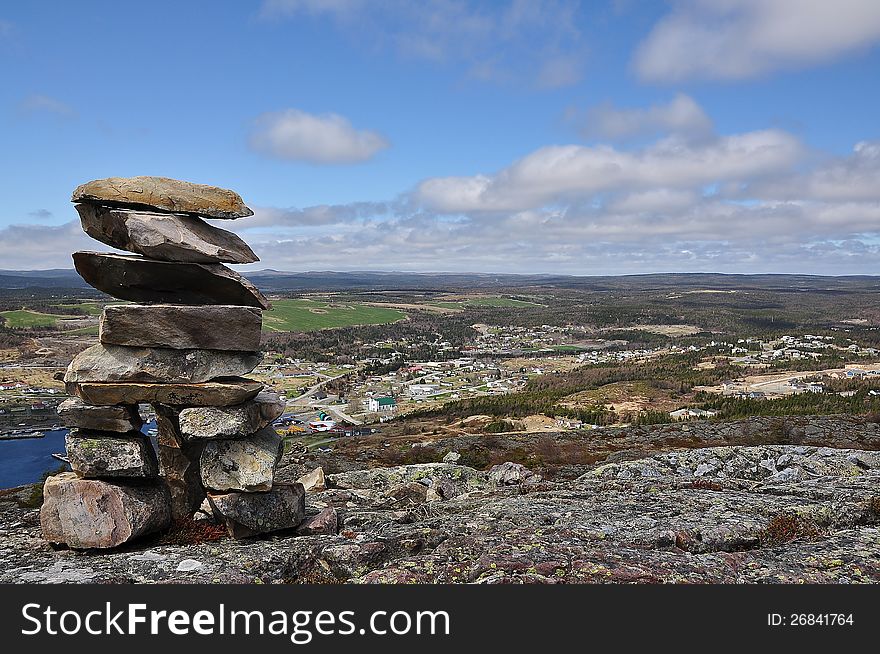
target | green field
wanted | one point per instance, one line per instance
(311, 315)
(22, 319)
(484, 302)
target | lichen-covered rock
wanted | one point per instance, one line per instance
(510, 474)
(384, 478)
(408, 494)
(163, 236)
(119, 418)
(119, 363)
(182, 327)
(91, 513)
(249, 514)
(217, 393)
(135, 278)
(205, 423)
(660, 529)
(163, 194)
(99, 455)
(772, 463)
(241, 464)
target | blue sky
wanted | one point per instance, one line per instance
(543, 136)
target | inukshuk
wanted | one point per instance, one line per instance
(183, 345)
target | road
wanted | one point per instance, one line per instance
(313, 389)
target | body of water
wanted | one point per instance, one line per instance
(26, 460)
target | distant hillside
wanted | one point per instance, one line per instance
(273, 280)
(57, 278)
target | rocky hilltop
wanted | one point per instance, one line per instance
(734, 514)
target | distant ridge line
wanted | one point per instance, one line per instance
(273, 280)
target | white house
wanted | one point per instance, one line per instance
(382, 404)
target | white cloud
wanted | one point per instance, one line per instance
(749, 202)
(319, 215)
(570, 172)
(711, 236)
(37, 103)
(660, 200)
(322, 139)
(851, 178)
(736, 39)
(30, 247)
(533, 40)
(681, 116)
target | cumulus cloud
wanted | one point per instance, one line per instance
(37, 103)
(851, 178)
(319, 215)
(295, 135)
(736, 39)
(569, 172)
(776, 237)
(745, 202)
(29, 247)
(534, 40)
(681, 116)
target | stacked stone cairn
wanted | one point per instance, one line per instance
(183, 343)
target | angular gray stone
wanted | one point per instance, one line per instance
(119, 363)
(163, 194)
(182, 327)
(98, 455)
(164, 236)
(249, 514)
(135, 278)
(200, 423)
(242, 464)
(119, 418)
(91, 513)
(216, 393)
(179, 464)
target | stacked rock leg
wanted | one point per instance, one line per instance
(185, 348)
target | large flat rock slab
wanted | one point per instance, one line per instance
(604, 528)
(249, 514)
(241, 464)
(205, 423)
(99, 455)
(216, 393)
(118, 363)
(90, 513)
(116, 418)
(134, 278)
(164, 236)
(163, 194)
(182, 327)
